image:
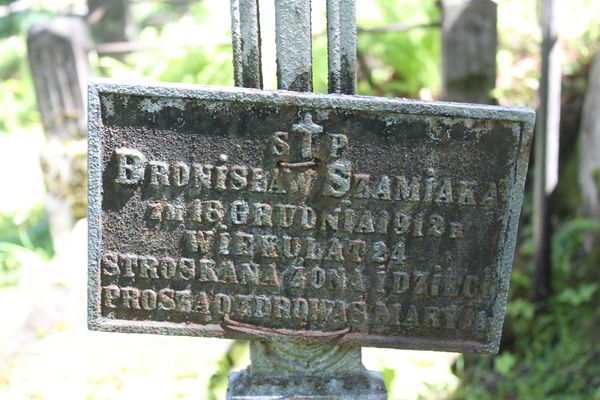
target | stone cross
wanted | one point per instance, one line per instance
(311, 224)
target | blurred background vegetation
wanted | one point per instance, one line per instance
(550, 350)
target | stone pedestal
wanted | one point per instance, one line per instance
(288, 370)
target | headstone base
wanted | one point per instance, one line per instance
(312, 371)
(367, 386)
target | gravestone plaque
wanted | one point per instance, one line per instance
(241, 213)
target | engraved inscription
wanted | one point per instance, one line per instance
(292, 248)
(340, 181)
(286, 218)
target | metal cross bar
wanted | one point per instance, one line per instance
(245, 32)
(294, 45)
(341, 45)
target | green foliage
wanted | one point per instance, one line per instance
(17, 97)
(320, 64)
(236, 356)
(24, 233)
(558, 357)
(579, 295)
(400, 63)
(208, 63)
(568, 248)
(550, 350)
(15, 24)
(22, 242)
(504, 363)
(394, 64)
(389, 374)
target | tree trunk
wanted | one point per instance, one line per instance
(589, 164)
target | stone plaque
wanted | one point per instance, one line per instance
(241, 213)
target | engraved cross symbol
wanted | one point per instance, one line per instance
(307, 128)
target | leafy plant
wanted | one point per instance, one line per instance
(21, 243)
(568, 245)
(400, 63)
(17, 97)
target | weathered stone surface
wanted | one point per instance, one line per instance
(111, 21)
(368, 386)
(288, 369)
(59, 65)
(469, 43)
(314, 218)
